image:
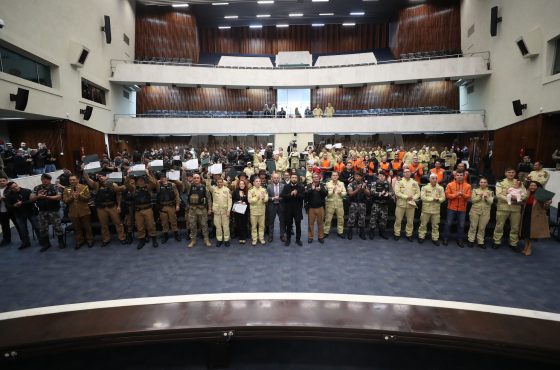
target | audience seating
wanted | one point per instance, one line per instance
(339, 113)
(431, 54)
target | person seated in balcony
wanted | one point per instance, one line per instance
(317, 112)
(329, 110)
(307, 112)
(249, 113)
(297, 113)
(281, 113)
(266, 111)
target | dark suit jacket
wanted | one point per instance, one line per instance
(293, 204)
(270, 190)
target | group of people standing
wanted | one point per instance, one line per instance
(246, 203)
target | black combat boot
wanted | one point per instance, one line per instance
(371, 234)
(349, 233)
(141, 243)
(164, 238)
(177, 237)
(363, 233)
(382, 234)
(45, 243)
(154, 242)
(61, 243)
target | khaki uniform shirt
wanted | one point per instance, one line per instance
(432, 197)
(335, 193)
(404, 189)
(501, 193)
(258, 205)
(221, 200)
(77, 207)
(480, 205)
(541, 176)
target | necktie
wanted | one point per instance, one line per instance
(276, 190)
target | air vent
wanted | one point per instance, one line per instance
(126, 39)
(126, 94)
(470, 89)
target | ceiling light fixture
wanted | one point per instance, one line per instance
(263, 15)
(264, 2)
(220, 3)
(231, 17)
(357, 13)
(348, 24)
(296, 14)
(180, 5)
(319, 1)
(282, 25)
(255, 26)
(326, 14)
(317, 25)
(224, 27)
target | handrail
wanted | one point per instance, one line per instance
(187, 114)
(486, 57)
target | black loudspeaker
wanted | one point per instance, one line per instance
(107, 28)
(522, 47)
(87, 112)
(518, 107)
(20, 98)
(494, 20)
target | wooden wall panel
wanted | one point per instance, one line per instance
(427, 27)
(166, 32)
(270, 39)
(537, 136)
(437, 93)
(192, 98)
(68, 137)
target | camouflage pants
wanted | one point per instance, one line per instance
(46, 218)
(379, 214)
(198, 217)
(357, 210)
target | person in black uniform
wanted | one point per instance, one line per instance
(292, 197)
(168, 202)
(358, 192)
(19, 202)
(381, 193)
(315, 194)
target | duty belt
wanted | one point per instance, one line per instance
(167, 203)
(107, 205)
(142, 207)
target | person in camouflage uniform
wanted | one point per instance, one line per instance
(358, 192)
(48, 200)
(381, 192)
(198, 202)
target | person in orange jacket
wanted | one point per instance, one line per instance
(416, 169)
(438, 171)
(457, 192)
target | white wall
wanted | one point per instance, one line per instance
(46, 29)
(513, 77)
(339, 125)
(437, 69)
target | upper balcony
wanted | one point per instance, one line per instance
(433, 68)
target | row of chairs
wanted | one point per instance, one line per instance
(431, 54)
(340, 113)
(156, 60)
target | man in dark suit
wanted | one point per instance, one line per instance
(275, 206)
(292, 197)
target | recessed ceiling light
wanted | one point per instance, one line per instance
(255, 26)
(220, 3)
(282, 25)
(317, 24)
(224, 27)
(325, 14)
(180, 5)
(265, 2)
(348, 24)
(231, 17)
(319, 1)
(357, 13)
(263, 15)
(296, 14)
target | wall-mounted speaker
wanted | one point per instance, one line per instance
(494, 20)
(20, 98)
(87, 112)
(518, 107)
(107, 28)
(77, 54)
(530, 43)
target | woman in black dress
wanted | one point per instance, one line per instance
(241, 219)
(534, 220)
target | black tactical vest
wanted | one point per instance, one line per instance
(166, 194)
(197, 195)
(142, 196)
(106, 196)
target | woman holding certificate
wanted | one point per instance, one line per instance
(240, 200)
(534, 220)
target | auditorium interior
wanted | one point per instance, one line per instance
(112, 81)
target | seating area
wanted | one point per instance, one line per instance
(163, 60)
(339, 113)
